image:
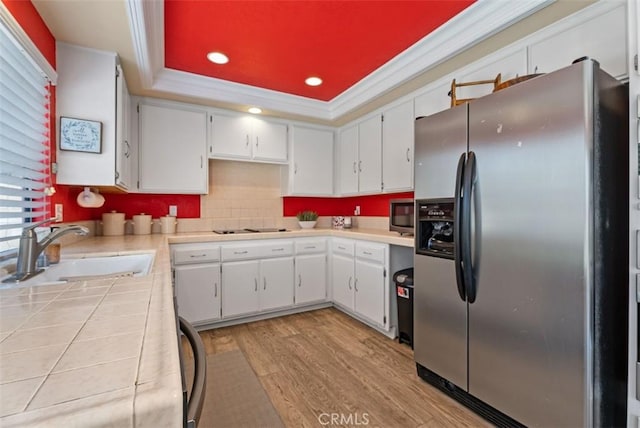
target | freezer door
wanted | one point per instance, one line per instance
(529, 325)
(440, 320)
(440, 140)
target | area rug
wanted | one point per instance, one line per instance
(234, 396)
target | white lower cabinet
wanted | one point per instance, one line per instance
(240, 288)
(310, 270)
(359, 279)
(256, 277)
(197, 286)
(342, 276)
(256, 285)
(234, 280)
(369, 287)
(276, 280)
(311, 278)
(198, 292)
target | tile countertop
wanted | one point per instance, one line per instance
(103, 352)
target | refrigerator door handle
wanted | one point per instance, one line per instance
(467, 189)
(457, 220)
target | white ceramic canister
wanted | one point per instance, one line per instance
(168, 224)
(141, 224)
(113, 224)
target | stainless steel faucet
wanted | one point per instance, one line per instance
(29, 248)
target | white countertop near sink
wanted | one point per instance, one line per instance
(104, 352)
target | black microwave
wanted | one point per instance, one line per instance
(401, 216)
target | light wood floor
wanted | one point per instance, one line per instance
(324, 362)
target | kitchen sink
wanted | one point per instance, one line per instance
(94, 267)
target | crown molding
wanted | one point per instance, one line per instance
(146, 22)
(481, 20)
(194, 85)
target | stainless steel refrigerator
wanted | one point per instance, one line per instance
(521, 264)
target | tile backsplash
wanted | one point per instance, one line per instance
(242, 194)
(246, 194)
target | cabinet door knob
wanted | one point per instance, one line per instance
(264, 283)
(256, 142)
(299, 280)
(354, 168)
(359, 166)
(247, 145)
(295, 167)
(355, 284)
(408, 159)
(215, 287)
(350, 279)
(255, 281)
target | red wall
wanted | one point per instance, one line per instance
(371, 205)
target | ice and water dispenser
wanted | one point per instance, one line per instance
(434, 235)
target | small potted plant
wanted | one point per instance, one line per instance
(307, 219)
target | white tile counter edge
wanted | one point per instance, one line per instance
(374, 235)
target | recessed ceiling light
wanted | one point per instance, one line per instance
(217, 57)
(313, 81)
(254, 110)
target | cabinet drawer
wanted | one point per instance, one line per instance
(191, 255)
(372, 252)
(278, 249)
(343, 247)
(257, 251)
(311, 246)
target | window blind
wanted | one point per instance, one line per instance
(24, 141)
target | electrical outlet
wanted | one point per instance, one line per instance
(357, 210)
(173, 210)
(59, 213)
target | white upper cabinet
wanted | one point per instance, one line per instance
(603, 38)
(124, 148)
(230, 136)
(509, 66)
(360, 157)
(172, 148)
(310, 171)
(370, 155)
(438, 99)
(269, 141)
(348, 161)
(397, 148)
(242, 137)
(91, 86)
(432, 101)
